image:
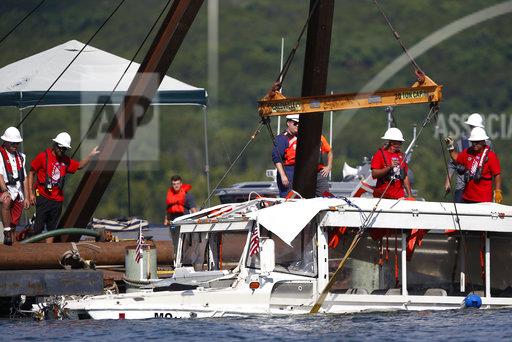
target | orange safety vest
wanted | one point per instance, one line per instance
(290, 151)
(176, 200)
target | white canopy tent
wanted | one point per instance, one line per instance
(92, 76)
(88, 81)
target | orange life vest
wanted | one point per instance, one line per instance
(290, 151)
(176, 200)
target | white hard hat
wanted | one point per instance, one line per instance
(393, 134)
(475, 120)
(12, 134)
(294, 117)
(478, 134)
(63, 139)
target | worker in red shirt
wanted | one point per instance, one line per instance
(482, 167)
(49, 169)
(389, 166)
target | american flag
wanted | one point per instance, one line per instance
(140, 243)
(254, 246)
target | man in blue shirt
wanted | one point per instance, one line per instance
(283, 154)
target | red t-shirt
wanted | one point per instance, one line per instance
(59, 168)
(480, 191)
(396, 189)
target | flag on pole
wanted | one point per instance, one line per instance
(140, 242)
(254, 245)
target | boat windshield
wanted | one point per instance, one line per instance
(299, 259)
(212, 251)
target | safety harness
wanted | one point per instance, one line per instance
(400, 175)
(11, 180)
(48, 184)
(475, 172)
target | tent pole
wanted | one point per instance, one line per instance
(206, 161)
(20, 109)
(128, 180)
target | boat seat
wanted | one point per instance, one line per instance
(394, 292)
(436, 292)
(359, 291)
(388, 292)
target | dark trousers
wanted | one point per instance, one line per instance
(47, 214)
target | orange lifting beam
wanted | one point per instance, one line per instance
(276, 104)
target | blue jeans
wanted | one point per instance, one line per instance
(283, 190)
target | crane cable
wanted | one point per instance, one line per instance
(21, 21)
(67, 67)
(251, 139)
(97, 115)
(282, 74)
(417, 68)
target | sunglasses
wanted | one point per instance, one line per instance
(14, 143)
(295, 123)
(478, 142)
(62, 148)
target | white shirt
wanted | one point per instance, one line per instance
(14, 190)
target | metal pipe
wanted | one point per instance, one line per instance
(206, 157)
(58, 232)
(280, 80)
(404, 263)
(47, 255)
(487, 266)
(330, 137)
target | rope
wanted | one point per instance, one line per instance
(21, 21)
(97, 115)
(253, 136)
(462, 235)
(67, 67)
(282, 74)
(397, 37)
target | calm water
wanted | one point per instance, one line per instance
(463, 325)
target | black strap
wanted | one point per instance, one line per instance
(48, 181)
(383, 157)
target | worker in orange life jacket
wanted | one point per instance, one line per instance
(179, 200)
(13, 182)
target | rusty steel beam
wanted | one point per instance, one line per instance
(137, 100)
(314, 82)
(47, 256)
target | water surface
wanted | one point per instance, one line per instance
(456, 325)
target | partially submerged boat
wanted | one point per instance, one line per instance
(271, 256)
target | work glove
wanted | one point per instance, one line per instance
(449, 143)
(498, 197)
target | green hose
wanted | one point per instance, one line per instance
(57, 232)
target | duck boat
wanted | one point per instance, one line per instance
(275, 256)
